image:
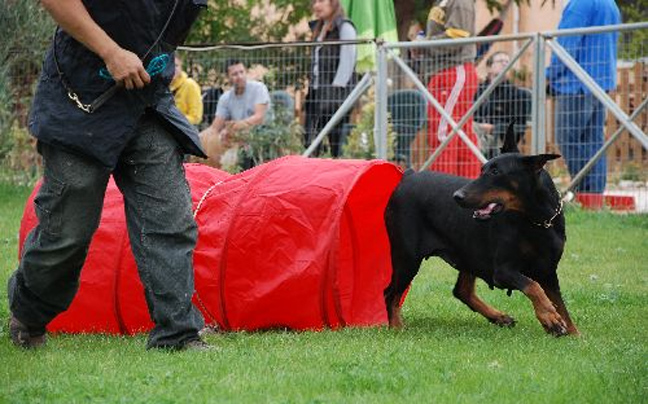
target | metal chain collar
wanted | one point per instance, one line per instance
(549, 222)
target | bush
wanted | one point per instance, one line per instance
(21, 163)
(360, 143)
(280, 137)
(25, 28)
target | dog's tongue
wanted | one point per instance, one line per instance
(484, 213)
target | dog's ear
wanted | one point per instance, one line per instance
(538, 162)
(510, 145)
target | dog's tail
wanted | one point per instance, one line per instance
(510, 143)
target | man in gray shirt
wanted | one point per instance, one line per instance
(239, 109)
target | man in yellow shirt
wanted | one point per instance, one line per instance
(187, 94)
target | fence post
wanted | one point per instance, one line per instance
(539, 98)
(380, 112)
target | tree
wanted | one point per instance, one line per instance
(633, 43)
(633, 10)
(25, 29)
(237, 21)
(271, 20)
(417, 10)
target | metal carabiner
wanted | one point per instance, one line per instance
(87, 108)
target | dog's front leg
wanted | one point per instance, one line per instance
(464, 290)
(545, 310)
(552, 289)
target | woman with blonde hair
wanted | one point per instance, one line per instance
(332, 71)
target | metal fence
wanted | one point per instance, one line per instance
(423, 105)
(426, 105)
(300, 108)
(593, 115)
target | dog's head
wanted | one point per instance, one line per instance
(507, 182)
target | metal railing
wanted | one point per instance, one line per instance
(533, 48)
(286, 68)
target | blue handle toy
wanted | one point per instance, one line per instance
(155, 66)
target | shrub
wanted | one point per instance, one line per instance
(281, 136)
(21, 164)
(360, 143)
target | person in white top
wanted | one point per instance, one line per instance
(332, 72)
(239, 109)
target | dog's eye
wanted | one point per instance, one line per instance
(494, 171)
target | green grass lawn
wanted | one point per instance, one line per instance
(446, 354)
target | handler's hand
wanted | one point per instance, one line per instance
(240, 125)
(126, 68)
(487, 127)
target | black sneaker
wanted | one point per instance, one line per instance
(23, 337)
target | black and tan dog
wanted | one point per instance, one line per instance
(505, 227)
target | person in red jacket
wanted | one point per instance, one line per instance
(453, 82)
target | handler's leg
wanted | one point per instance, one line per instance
(162, 232)
(68, 206)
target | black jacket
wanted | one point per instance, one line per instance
(327, 97)
(103, 134)
(329, 55)
(505, 103)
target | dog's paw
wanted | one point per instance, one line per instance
(553, 324)
(557, 331)
(396, 323)
(503, 320)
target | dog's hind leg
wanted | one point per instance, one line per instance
(464, 290)
(405, 267)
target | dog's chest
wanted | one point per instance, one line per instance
(539, 253)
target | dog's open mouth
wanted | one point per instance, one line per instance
(485, 213)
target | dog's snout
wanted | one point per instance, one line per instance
(459, 196)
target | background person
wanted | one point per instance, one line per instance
(186, 93)
(332, 72)
(506, 103)
(453, 82)
(239, 110)
(579, 116)
(138, 136)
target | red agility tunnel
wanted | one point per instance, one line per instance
(296, 243)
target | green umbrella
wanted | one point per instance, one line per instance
(372, 19)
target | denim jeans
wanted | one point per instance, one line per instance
(580, 123)
(160, 225)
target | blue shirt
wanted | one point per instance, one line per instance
(595, 53)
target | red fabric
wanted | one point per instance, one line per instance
(455, 89)
(297, 243)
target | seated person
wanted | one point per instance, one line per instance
(239, 109)
(186, 93)
(506, 103)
